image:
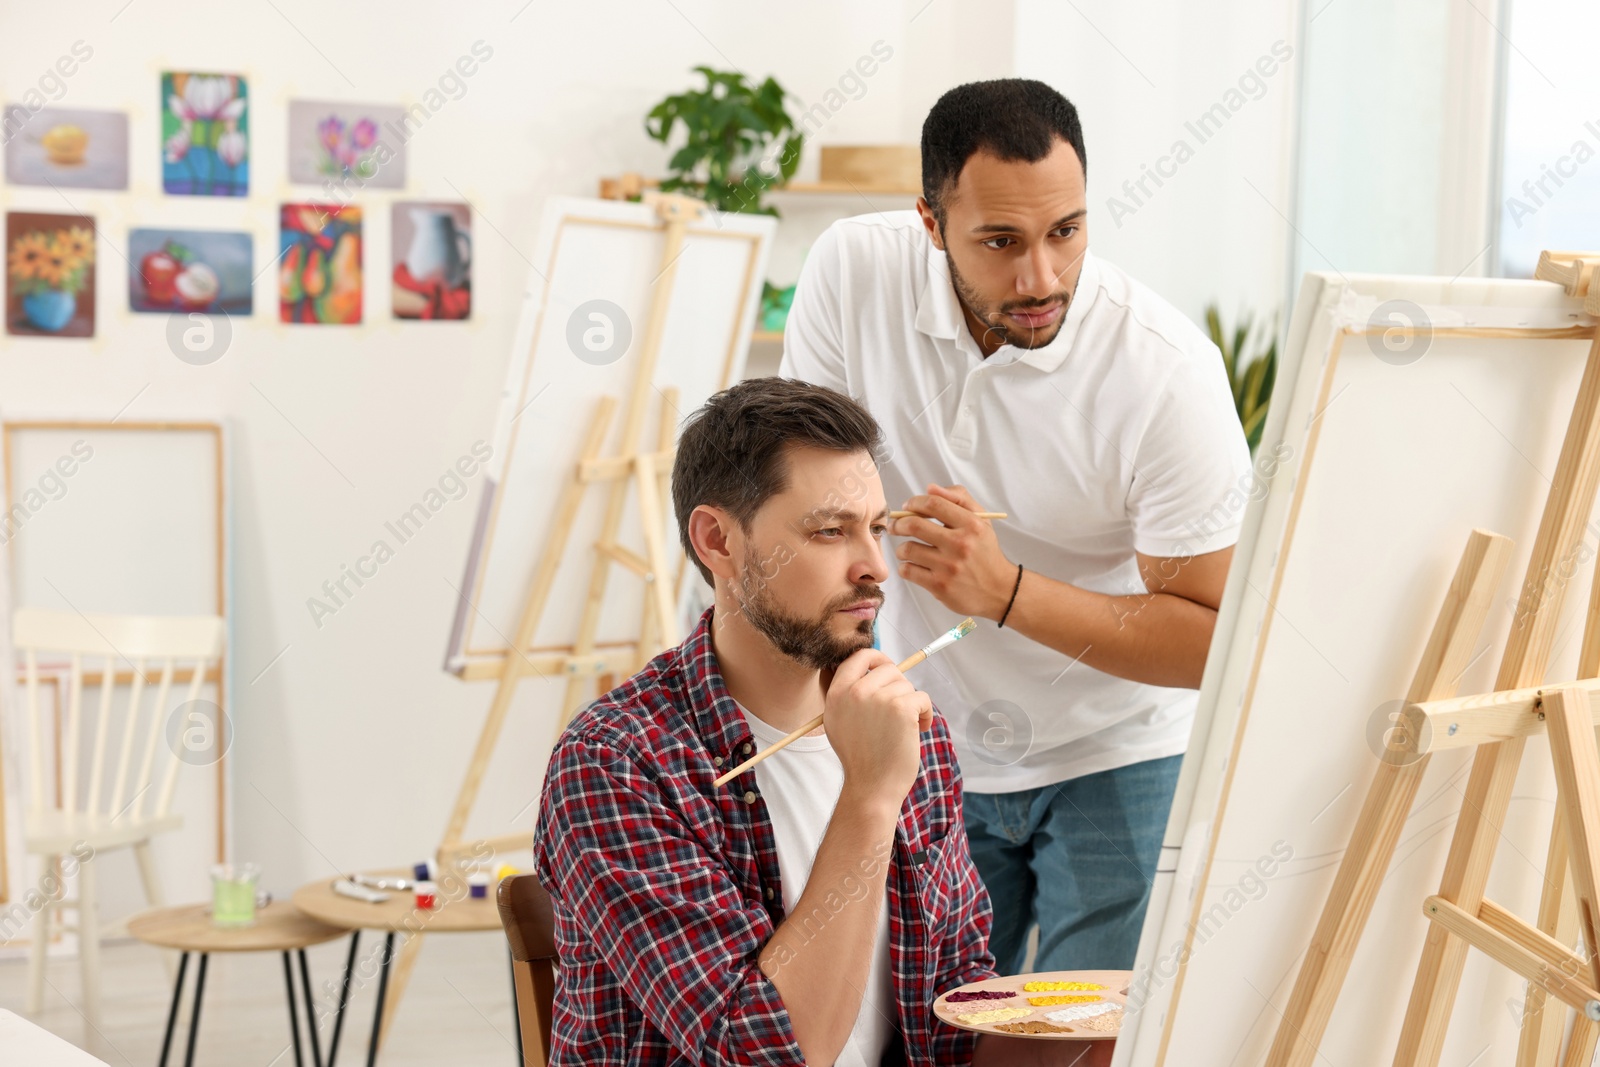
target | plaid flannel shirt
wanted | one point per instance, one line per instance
(666, 888)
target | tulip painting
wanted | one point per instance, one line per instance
(49, 275)
(319, 269)
(347, 147)
(205, 134)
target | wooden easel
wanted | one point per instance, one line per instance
(1497, 724)
(644, 470)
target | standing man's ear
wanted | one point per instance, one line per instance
(930, 223)
(710, 533)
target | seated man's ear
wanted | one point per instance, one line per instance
(712, 532)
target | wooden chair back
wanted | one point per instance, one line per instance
(529, 920)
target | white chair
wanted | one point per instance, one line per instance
(122, 796)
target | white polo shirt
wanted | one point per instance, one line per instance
(1118, 436)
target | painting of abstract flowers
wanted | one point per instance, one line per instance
(430, 247)
(345, 147)
(66, 148)
(189, 271)
(49, 275)
(205, 134)
(319, 269)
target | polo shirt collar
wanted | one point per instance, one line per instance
(939, 310)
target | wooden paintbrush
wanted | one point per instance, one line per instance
(976, 514)
(938, 644)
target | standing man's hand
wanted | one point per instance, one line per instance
(957, 558)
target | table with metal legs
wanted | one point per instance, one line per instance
(396, 915)
(279, 927)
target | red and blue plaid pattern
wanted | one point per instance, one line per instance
(666, 888)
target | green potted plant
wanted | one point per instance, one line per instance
(1250, 378)
(729, 127)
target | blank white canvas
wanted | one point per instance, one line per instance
(597, 250)
(1326, 614)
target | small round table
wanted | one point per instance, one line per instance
(279, 927)
(396, 915)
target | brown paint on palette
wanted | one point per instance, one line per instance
(1001, 1005)
(1034, 1028)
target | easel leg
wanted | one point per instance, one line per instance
(1543, 1018)
(1494, 767)
(677, 213)
(1543, 1021)
(1383, 814)
(1576, 756)
(538, 592)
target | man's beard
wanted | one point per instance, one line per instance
(1017, 337)
(807, 641)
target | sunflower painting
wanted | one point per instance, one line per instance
(49, 275)
(205, 134)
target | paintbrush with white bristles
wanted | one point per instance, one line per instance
(938, 644)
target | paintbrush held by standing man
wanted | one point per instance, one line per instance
(1014, 369)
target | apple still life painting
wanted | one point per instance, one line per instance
(189, 270)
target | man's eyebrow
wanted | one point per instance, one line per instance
(844, 514)
(1001, 227)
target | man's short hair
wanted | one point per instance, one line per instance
(732, 453)
(1016, 119)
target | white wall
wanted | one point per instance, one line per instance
(1215, 228)
(350, 747)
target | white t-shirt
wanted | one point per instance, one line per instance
(1119, 435)
(801, 785)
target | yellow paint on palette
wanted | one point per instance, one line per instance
(993, 1015)
(1045, 1002)
(1059, 987)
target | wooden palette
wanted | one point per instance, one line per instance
(1114, 992)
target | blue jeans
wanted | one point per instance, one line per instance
(1076, 857)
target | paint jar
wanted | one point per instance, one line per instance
(478, 885)
(233, 894)
(425, 871)
(427, 895)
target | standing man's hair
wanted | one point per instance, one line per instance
(732, 452)
(1017, 119)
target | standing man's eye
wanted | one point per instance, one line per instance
(990, 243)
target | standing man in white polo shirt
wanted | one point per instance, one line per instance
(1014, 371)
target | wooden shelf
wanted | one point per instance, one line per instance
(631, 185)
(846, 189)
(767, 337)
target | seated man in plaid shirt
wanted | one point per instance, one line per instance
(811, 910)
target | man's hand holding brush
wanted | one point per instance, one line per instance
(875, 717)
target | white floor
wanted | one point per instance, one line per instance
(457, 1008)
